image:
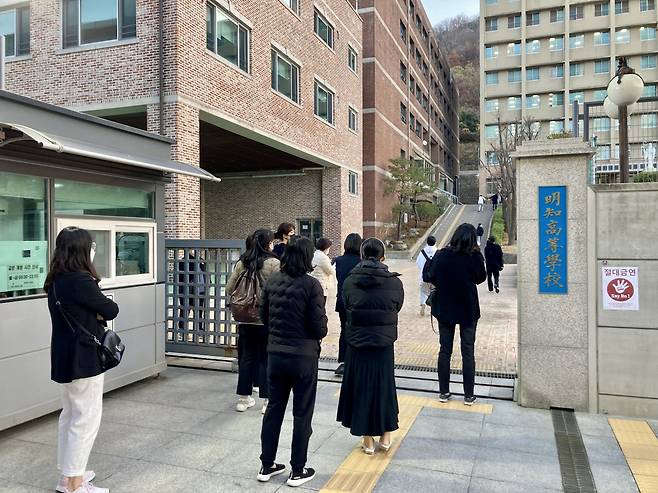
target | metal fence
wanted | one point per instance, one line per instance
(603, 134)
(198, 320)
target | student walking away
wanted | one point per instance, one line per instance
(373, 297)
(281, 237)
(493, 255)
(255, 267)
(481, 201)
(323, 269)
(480, 233)
(456, 271)
(344, 265)
(79, 311)
(293, 308)
(425, 288)
(191, 281)
(494, 201)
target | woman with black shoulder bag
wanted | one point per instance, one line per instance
(79, 311)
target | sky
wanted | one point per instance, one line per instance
(438, 10)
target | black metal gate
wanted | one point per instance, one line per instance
(198, 320)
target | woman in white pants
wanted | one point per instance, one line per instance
(74, 300)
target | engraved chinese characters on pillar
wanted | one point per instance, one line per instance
(552, 243)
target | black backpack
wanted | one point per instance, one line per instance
(427, 267)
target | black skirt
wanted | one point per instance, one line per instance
(368, 403)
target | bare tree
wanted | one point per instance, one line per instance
(502, 169)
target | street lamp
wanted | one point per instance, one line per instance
(624, 89)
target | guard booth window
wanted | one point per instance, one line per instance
(310, 228)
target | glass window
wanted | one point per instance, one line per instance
(492, 158)
(557, 15)
(514, 75)
(647, 33)
(292, 5)
(556, 44)
(412, 122)
(648, 61)
(557, 71)
(601, 9)
(532, 18)
(601, 124)
(491, 24)
(403, 113)
(352, 60)
(352, 119)
(8, 28)
(353, 183)
(532, 73)
(599, 95)
(649, 120)
(403, 32)
(649, 91)
(132, 253)
(602, 66)
(491, 105)
(492, 2)
(576, 12)
(621, 7)
(533, 46)
(514, 49)
(228, 38)
(491, 131)
(576, 96)
(622, 36)
(576, 69)
(646, 5)
(556, 126)
(285, 76)
(532, 102)
(90, 199)
(492, 78)
(324, 103)
(490, 52)
(93, 21)
(514, 21)
(603, 152)
(15, 26)
(324, 30)
(576, 41)
(24, 238)
(403, 72)
(602, 38)
(556, 99)
(514, 103)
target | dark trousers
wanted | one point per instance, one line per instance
(195, 305)
(286, 372)
(446, 338)
(252, 359)
(342, 342)
(496, 278)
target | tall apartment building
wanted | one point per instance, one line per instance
(264, 94)
(539, 56)
(411, 104)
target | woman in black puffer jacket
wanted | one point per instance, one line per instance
(293, 307)
(373, 296)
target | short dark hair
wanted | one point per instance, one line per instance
(283, 230)
(72, 254)
(323, 244)
(297, 258)
(353, 244)
(464, 239)
(492, 239)
(373, 249)
(431, 241)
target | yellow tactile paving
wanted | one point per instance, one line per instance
(639, 444)
(359, 473)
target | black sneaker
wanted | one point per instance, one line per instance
(299, 478)
(445, 397)
(497, 290)
(267, 472)
(469, 401)
(340, 370)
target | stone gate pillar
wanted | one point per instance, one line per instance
(552, 188)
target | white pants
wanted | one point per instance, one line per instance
(425, 288)
(479, 240)
(82, 407)
(480, 206)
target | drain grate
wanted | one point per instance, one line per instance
(574, 464)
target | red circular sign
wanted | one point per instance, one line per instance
(620, 289)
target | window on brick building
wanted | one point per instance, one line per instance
(352, 59)
(88, 21)
(352, 119)
(646, 5)
(601, 9)
(412, 121)
(621, 7)
(353, 183)
(403, 72)
(403, 32)
(324, 30)
(227, 37)
(292, 5)
(403, 113)
(15, 26)
(285, 76)
(324, 103)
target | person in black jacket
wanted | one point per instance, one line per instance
(283, 234)
(493, 256)
(344, 265)
(373, 296)
(456, 271)
(480, 233)
(74, 300)
(293, 307)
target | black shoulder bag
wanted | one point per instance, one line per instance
(109, 349)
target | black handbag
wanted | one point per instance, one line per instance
(110, 349)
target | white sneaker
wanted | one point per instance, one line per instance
(86, 478)
(87, 488)
(244, 403)
(264, 406)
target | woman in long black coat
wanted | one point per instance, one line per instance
(456, 271)
(373, 296)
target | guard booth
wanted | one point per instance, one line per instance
(61, 168)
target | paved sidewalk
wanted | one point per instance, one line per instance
(180, 433)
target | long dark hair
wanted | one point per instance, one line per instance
(72, 254)
(353, 244)
(283, 230)
(464, 239)
(297, 258)
(373, 249)
(258, 250)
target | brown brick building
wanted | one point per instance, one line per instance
(265, 94)
(410, 104)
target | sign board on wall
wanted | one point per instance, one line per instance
(23, 265)
(553, 275)
(620, 289)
